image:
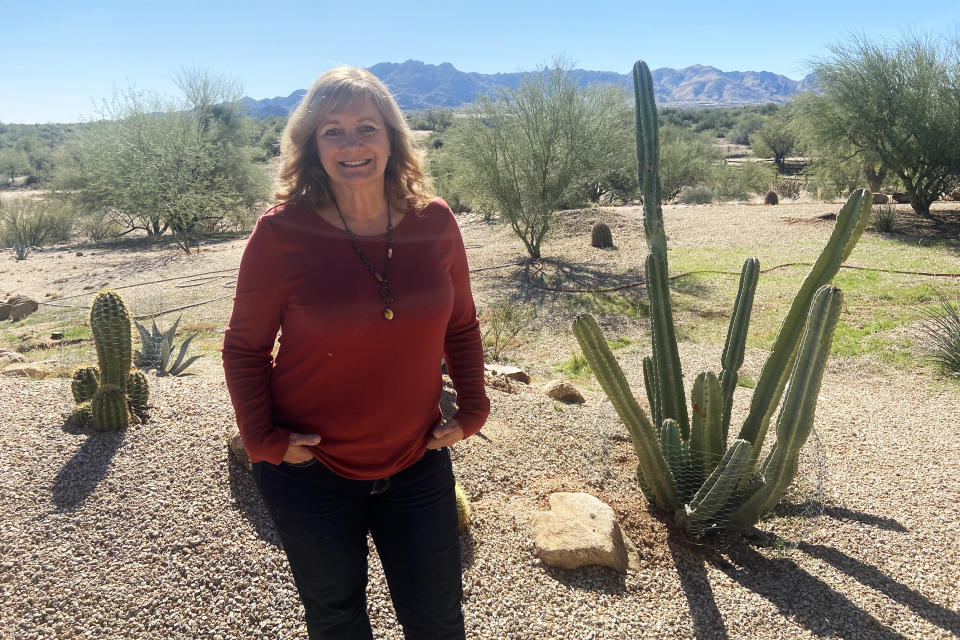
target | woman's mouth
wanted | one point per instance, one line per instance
(355, 163)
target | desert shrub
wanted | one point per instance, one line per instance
(29, 223)
(448, 181)
(771, 198)
(789, 188)
(732, 182)
(686, 159)
(700, 194)
(622, 186)
(501, 326)
(882, 217)
(98, 227)
(942, 329)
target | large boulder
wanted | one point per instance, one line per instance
(580, 530)
(564, 392)
(508, 372)
(17, 308)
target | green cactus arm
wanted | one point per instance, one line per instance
(644, 487)
(733, 348)
(648, 158)
(795, 419)
(84, 384)
(111, 326)
(851, 221)
(676, 455)
(707, 444)
(666, 357)
(718, 488)
(650, 384)
(645, 439)
(109, 409)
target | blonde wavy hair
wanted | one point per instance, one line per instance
(302, 179)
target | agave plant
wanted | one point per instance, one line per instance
(685, 463)
(158, 349)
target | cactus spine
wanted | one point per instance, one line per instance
(463, 508)
(682, 465)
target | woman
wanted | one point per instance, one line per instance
(365, 277)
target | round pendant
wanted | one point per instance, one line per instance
(388, 313)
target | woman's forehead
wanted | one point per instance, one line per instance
(354, 105)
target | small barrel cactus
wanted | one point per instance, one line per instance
(600, 236)
(86, 381)
(138, 393)
(771, 198)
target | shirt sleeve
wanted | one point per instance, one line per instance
(463, 346)
(248, 344)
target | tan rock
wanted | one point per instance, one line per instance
(580, 530)
(564, 392)
(20, 307)
(499, 383)
(508, 372)
(9, 356)
(235, 444)
(37, 370)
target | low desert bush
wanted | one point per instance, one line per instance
(27, 223)
(883, 217)
(942, 329)
(788, 188)
(731, 182)
(700, 194)
(771, 198)
(501, 326)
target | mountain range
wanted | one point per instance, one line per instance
(417, 85)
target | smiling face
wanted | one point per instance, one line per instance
(354, 147)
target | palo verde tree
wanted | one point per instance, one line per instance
(774, 139)
(528, 148)
(896, 106)
(158, 166)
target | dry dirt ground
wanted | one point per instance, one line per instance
(157, 533)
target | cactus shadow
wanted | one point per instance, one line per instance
(690, 561)
(245, 497)
(800, 596)
(872, 577)
(468, 548)
(79, 477)
(837, 512)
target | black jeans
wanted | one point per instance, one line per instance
(323, 520)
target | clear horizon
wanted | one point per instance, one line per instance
(63, 59)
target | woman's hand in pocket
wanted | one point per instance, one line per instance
(445, 435)
(297, 450)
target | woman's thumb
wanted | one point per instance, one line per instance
(306, 439)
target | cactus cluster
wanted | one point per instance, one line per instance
(109, 394)
(600, 236)
(686, 465)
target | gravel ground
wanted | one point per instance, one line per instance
(157, 533)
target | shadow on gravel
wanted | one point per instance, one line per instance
(83, 472)
(803, 509)
(805, 598)
(872, 577)
(247, 499)
(589, 578)
(690, 561)
(468, 546)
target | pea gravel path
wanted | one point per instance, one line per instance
(156, 533)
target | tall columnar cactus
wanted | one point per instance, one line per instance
(106, 387)
(685, 465)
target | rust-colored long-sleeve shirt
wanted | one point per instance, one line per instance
(369, 386)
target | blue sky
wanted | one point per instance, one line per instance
(57, 59)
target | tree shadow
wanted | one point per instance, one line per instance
(81, 474)
(246, 498)
(800, 596)
(872, 577)
(940, 227)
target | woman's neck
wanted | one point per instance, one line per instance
(360, 205)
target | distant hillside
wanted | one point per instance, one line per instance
(417, 85)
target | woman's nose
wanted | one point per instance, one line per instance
(350, 140)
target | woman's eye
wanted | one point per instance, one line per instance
(367, 129)
(330, 133)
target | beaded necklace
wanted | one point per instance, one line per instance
(385, 294)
